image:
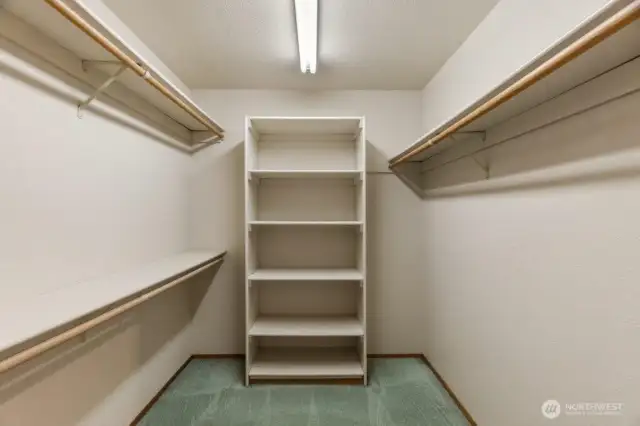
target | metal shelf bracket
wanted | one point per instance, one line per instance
(84, 104)
(481, 133)
(88, 64)
(484, 165)
(211, 140)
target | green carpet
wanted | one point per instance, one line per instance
(401, 392)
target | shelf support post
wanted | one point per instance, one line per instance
(84, 104)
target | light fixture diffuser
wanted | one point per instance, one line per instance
(307, 26)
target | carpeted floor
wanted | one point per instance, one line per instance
(402, 392)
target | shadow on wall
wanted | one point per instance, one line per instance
(408, 173)
(77, 90)
(376, 161)
(394, 239)
(599, 144)
(66, 384)
(217, 221)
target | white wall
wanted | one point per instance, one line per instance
(80, 199)
(100, 9)
(531, 277)
(395, 245)
(41, 15)
(511, 35)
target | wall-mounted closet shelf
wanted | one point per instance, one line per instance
(51, 311)
(606, 42)
(305, 248)
(100, 47)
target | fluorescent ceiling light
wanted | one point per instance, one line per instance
(307, 25)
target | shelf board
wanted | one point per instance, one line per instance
(268, 325)
(306, 125)
(44, 20)
(306, 275)
(306, 222)
(61, 307)
(592, 64)
(305, 174)
(289, 363)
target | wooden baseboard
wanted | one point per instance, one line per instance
(217, 356)
(157, 396)
(444, 384)
(453, 396)
(394, 356)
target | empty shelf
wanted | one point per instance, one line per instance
(67, 304)
(305, 174)
(44, 26)
(306, 125)
(306, 222)
(306, 275)
(288, 363)
(306, 326)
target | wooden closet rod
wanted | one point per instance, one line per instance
(38, 349)
(604, 30)
(142, 71)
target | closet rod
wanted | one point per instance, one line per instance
(42, 347)
(604, 30)
(532, 130)
(139, 67)
(538, 105)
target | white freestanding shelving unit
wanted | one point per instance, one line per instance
(305, 243)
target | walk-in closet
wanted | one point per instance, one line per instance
(319, 212)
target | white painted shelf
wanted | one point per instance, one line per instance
(305, 174)
(306, 125)
(305, 247)
(306, 275)
(43, 25)
(286, 363)
(306, 326)
(605, 72)
(306, 222)
(60, 307)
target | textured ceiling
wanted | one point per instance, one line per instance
(251, 44)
